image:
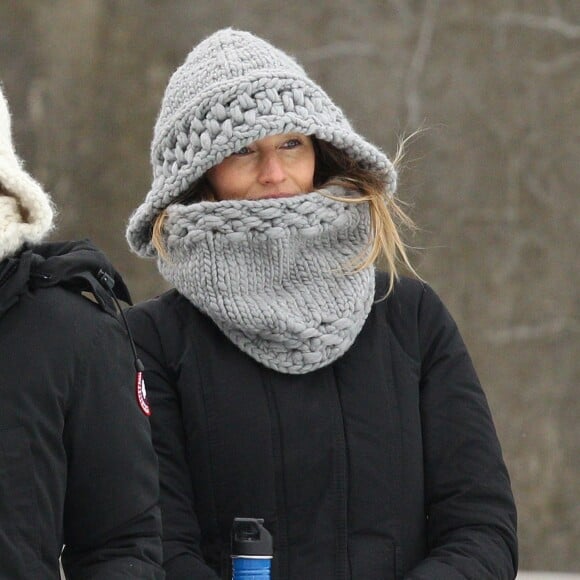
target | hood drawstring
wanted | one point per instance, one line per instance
(108, 283)
(6, 273)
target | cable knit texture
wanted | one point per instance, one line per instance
(273, 274)
(26, 213)
(235, 88)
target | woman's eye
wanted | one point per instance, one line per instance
(242, 151)
(292, 143)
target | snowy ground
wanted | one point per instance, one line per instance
(547, 576)
(533, 576)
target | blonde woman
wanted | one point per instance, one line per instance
(288, 379)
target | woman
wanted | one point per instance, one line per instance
(77, 467)
(288, 380)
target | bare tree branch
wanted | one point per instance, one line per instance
(535, 22)
(557, 65)
(524, 332)
(412, 97)
(337, 50)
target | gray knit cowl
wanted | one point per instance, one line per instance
(275, 275)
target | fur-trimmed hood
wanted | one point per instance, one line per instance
(26, 211)
(76, 265)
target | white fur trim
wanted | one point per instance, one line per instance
(25, 196)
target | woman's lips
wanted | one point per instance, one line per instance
(276, 195)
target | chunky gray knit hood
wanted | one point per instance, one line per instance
(26, 212)
(235, 88)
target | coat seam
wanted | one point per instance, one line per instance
(343, 564)
(396, 418)
(281, 545)
(210, 439)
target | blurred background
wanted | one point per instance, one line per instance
(492, 179)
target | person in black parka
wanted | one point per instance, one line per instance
(77, 466)
(290, 379)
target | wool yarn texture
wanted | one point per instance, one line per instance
(26, 213)
(233, 89)
(275, 275)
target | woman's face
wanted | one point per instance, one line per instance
(276, 166)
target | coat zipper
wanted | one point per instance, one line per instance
(343, 560)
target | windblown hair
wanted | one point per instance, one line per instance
(334, 167)
(386, 249)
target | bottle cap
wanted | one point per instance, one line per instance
(251, 538)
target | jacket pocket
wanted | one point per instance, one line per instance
(18, 503)
(373, 558)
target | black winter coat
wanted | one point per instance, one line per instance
(384, 465)
(76, 462)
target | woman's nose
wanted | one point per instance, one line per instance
(271, 170)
